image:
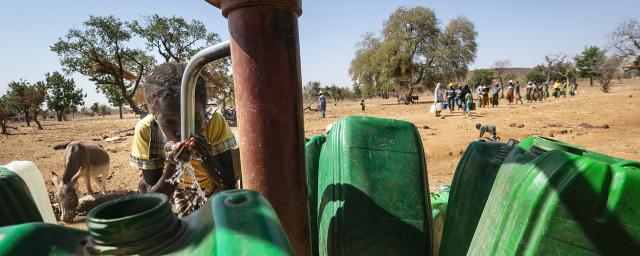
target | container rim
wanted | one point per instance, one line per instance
(159, 200)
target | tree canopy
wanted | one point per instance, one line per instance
(537, 74)
(62, 93)
(26, 98)
(412, 51)
(481, 77)
(625, 41)
(587, 61)
(99, 50)
(173, 37)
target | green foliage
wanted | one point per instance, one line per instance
(5, 113)
(537, 74)
(413, 50)
(26, 98)
(95, 108)
(99, 50)
(173, 37)
(482, 77)
(105, 110)
(311, 90)
(62, 93)
(588, 60)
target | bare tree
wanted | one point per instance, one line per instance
(552, 61)
(500, 66)
(625, 41)
(608, 69)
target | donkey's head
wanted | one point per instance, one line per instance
(66, 195)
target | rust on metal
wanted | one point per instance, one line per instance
(268, 88)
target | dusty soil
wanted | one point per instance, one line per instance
(444, 139)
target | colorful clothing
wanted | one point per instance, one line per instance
(147, 149)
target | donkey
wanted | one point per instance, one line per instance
(80, 158)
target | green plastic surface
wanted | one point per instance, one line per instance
(551, 198)
(41, 239)
(234, 222)
(470, 188)
(373, 194)
(17, 204)
(439, 205)
(312, 157)
(136, 224)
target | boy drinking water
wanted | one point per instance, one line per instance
(156, 148)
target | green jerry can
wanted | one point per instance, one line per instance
(312, 156)
(470, 188)
(552, 198)
(372, 189)
(439, 205)
(17, 204)
(234, 222)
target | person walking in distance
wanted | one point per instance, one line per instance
(517, 92)
(451, 96)
(322, 105)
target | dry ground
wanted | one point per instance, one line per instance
(444, 139)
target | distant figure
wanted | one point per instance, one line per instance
(322, 105)
(545, 94)
(488, 128)
(468, 103)
(539, 92)
(556, 89)
(451, 96)
(485, 95)
(479, 91)
(362, 105)
(494, 97)
(438, 97)
(517, 93)
(510, 89)
(459, 97)
(528, 90)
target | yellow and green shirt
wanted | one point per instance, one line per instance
(147, 149)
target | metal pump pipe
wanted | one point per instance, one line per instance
(265, 54)
(188, 85)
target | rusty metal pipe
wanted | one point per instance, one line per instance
(188, 84)
(265, 56)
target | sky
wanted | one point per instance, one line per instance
(522, 32)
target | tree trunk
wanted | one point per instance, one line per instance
(501, 87)
(59, 115)
(120, 108)
(590, 80)
(35, 119)
(26, 118)
(3, 125)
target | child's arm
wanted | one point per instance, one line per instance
(218, 167)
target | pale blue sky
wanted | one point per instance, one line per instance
(519, 31)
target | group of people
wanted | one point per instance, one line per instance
(462, 97)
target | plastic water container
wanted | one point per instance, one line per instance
(30, 174)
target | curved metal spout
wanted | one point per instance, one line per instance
(188, 86)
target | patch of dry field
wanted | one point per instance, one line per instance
(444, 140)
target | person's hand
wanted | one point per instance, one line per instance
(177, 151)
(200, 145)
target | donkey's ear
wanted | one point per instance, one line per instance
(55, 179)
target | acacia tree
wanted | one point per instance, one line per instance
(607, 70)
(62, 94)
(5, 113)
(481, 77)
(537, 74)
(413, 51)
(625, 41)
(176, 39)
(587, 60)
(173, 37)
(113, 96)
(26, 98)
(552, 61)
(99, 50)
(500, 66)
